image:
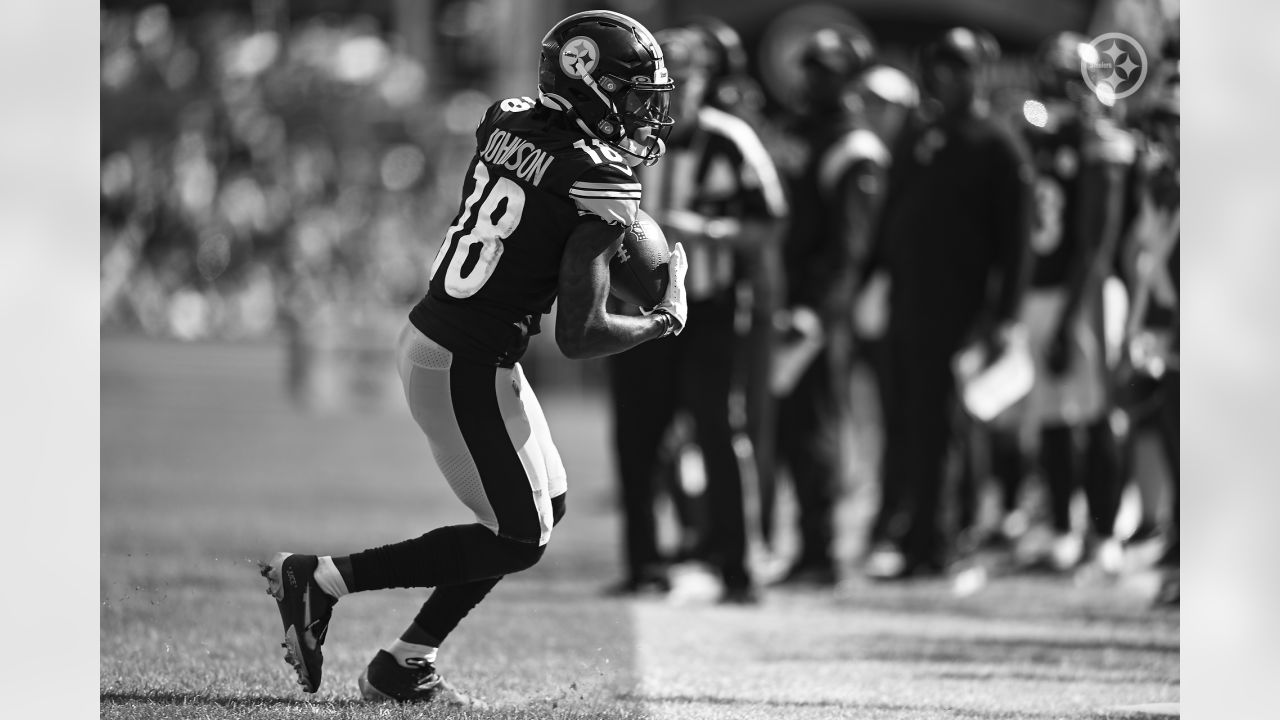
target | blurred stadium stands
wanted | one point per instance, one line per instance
(285, 169)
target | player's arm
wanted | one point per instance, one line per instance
(584, 329)
(853, 221)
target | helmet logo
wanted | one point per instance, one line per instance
(579, 57)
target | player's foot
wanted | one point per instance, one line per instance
(305, 610)
(885, 562)
(1068, 551)
(1109, 556)
(386, 680)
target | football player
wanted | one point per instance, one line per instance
(834, 195)
(1081, 157)
(544, 206)
(1149, 370)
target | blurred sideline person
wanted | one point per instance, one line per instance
(761, 279)
(828, 240)
(544, 206)
(953, 236)
(718, 193)
(1081, 159)
(1149, 257)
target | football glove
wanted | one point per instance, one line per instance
(675, 303)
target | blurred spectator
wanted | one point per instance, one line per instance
(716, 190)
(953, 235)
(734, 91)
(829, 239)
(239, 196)
(1149, 257)
(1081, 158)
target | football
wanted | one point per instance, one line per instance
(638, 272)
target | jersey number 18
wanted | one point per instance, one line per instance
(480, 248)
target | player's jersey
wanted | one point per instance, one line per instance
(532, 180)
(1059, 151)
(814, 253)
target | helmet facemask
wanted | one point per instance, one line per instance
(644, 111)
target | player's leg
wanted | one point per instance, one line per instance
(706, 380)
(1058, 463)
(405, 669)
(814, 456)
(1169, 422)
(1102, 488)
(643, 406)
(888, 530)
(931, 405)
(472, 415)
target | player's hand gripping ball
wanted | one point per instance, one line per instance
(638, 272)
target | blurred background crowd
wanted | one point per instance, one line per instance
(988, 362)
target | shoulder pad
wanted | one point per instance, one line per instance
(758, 170)
(608, 191)
(856, 146)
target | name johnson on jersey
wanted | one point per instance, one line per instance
(514, 153)
(532, 179)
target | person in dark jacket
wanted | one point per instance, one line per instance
(953, 237)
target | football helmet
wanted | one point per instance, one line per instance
(843, 54)
(961, 46)
(729, 54)
(732, 88)
(606, 72)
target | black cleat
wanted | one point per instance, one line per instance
(305, 610)
(386, 680)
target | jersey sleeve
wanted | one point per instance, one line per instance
(482, 129)
(854, 151)
(607, 191)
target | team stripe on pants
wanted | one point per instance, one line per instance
(488, 435)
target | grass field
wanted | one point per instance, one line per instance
(206, 469)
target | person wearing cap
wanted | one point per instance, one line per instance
(1081, 157)
(952, 236)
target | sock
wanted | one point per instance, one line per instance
(413, 655)
(329, 579)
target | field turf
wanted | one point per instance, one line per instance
(207, 469)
